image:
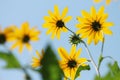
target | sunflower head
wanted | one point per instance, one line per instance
(70, 62)
(36, 61)
(25, 35)
(94, 25)
(75, 39)
(55, 22)
(6, 35)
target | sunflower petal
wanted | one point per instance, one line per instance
(103, 18)
(100, 35)
(38, 54)
(108, 24)
(67, 72)
(93, 12)
(47, 25)
(91, 37)
(54, 33)
(56, 11)
(85, 14)
(50, 13)
(15, 45)
(67, 19)
(10, 38)
(48, 19)
(101, 11)
(65, 11)
(97, 1)
(34, 38)
(50, 30)
(96, 40)
(78, 53)
(34, 34)
(64, 29)
(108, 2)
(63, 53)
(58, 34)
(21, 47)
(25, 27)
(73, 72)
(107, 31)
(82, 61)
(29, 46)
(72, 51)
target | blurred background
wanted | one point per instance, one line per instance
(15, 12)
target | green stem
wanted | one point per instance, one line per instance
(109, 58)
(70, 30)
(91, 58)
(27, 77)
(102, 46)
(101, 54)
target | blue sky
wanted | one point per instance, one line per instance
(18, 11)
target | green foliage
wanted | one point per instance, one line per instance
(112, 74)
(50, 69)
(81, 68)
(10, 59)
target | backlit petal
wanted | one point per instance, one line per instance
(108, 2)
(72, 51)
(77, 54)
(67, 19)
(21, 47)
(28, 46)
(25, 27)
(65, 11)
(63, 53)
(93, 12)
(56, 10)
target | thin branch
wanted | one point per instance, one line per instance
(91, 58)
(109, 58)
(70, 30)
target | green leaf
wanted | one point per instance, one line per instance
(112, 74)
(10, 59)
(50, 69)
(114, 68)
(81, 68)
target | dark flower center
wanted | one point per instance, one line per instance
(96, 26)
(26, 39)
(60, 23)
(72, 63)
(2, 38)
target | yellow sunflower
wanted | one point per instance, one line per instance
(36, 60)
(107, 1)
(94, 25)
(70, 63)
(24, 36)
(6, 35)
(56, 22)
